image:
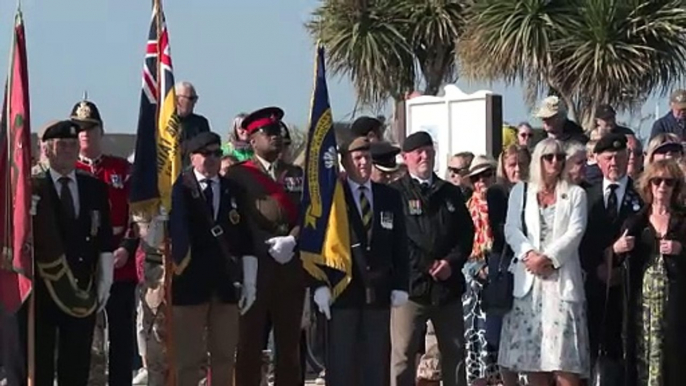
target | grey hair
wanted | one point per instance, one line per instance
(184, 85)
(546, 146)
(574, 148)
(527, 124)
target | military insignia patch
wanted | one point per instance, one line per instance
(414, 207)
(234, 217)
(116, 181)
(387, 220)
(83, 111)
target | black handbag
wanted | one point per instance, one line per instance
(497, 296)
(606, 371)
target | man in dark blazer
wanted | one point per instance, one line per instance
(74, 263)
(359, 326)
(610, 202)
(216, 271)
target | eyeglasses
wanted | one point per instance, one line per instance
(657, 181)
(461, 171)
(549, 157)
(482, 176)
(208, 153)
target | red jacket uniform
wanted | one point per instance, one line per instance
(115, 171)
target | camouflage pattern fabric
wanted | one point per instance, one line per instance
(152, 317)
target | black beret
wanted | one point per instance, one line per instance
(354, 143)
(60, 129)
(261, 118)
(417, 140)
(86, 114)
(201, 141)
(383, 155)
(605, 112)
(610, 142)
(365, 125)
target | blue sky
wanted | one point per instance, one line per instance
(240, 54)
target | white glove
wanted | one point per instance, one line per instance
(322, 297)
(105, 276)
(399, 298)
(281, 248)
(249, 291)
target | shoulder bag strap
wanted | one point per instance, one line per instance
(501, 266)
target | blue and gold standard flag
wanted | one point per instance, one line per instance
(157, 162)
(325, 233)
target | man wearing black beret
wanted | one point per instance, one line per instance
(74, 263)
(440, 234)
(359, 318)
(610, 202)
(383, 160)
(216, 269)
(369, 127)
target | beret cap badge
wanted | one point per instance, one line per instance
(83, 111)
(616, 144)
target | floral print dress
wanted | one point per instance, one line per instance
(543, 333)
(650, 319)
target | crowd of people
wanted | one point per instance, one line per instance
(586, 233)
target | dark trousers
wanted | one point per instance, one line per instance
(358, 347)
(604, 334)
(280, 296)
(303, 350)
(73, 345)
(14, 345)
(121, 322)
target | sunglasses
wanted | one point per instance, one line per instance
(526, 135)
(207, 153)
(657, 181)
(482, 176)
(550, 157)
(461, 171)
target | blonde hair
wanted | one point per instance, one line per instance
(546, 146)
(655, 142)
(523, 159)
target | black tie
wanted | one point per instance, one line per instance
(209, 195)
(611, 208)
(66, 198)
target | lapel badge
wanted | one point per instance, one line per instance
(387, 220)
(116, 181)
(635, 206)
(450, 206)
(234, 217)
(233, 203)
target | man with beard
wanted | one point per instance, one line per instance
(114, 172)
(274, 189)
(610, 202)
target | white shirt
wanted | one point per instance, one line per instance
(268, 166)
(355, 190)
(620, 191)
(73, 187)
(202, 180)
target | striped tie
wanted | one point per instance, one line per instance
(365, 210)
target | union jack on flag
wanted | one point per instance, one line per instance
(157, 163)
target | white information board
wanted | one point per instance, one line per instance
(457, 122)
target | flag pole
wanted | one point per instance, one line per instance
(166, 256)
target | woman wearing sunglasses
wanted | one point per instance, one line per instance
(545, 335)
(487, 207)
(654, 250)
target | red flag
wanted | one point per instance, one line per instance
(16, 259)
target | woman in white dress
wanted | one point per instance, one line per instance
(544, 335)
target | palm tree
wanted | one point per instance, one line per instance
(587, 52)
(388, 47)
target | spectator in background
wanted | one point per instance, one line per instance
(383, 161)
(666, 145)
(525, 135)
(605, 117)
(554, 115)
(593, 173)
(674, 121)
(575, 166)
(227, 162)
(369, 127)
(513, 166)
(458, 168)
(635, 148)
(191, 123)
(238, 145)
